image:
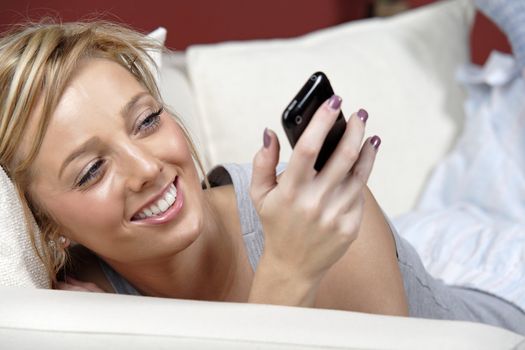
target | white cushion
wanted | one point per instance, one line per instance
(19, 264)
(400, 69)
(45, 319)
(159, 35)
(177, 94)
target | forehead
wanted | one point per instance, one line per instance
(91, 101)
(98, 85)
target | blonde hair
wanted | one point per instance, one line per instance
(36, 62)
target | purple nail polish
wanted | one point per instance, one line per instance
(363, 115)
(375, 141)
(266, 138)
(335, 102)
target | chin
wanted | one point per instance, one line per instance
(188, 230)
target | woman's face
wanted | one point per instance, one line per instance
(108, 163)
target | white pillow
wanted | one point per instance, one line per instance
(19, 264)
(177, 93)
(159, 35)
(400, 69)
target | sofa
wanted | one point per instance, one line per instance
(401, 69)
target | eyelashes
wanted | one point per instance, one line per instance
(91, 174)
(150, 122)
(145, 126)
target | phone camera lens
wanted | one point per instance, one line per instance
(313, 78)
(298, 120)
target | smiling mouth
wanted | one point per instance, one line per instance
(160, 206)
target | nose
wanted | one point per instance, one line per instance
(141, 167)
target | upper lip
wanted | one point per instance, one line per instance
(153, 199)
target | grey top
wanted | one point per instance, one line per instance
(239, 176)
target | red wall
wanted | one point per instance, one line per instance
(484, 38)
(208, 21)
(201, 21)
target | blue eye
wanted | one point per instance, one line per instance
(150, 122)
(91, 174)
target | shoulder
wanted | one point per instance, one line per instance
(85, 266)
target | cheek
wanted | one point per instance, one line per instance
(174, 146)
(88, 218)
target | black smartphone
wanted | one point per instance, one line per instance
(301, 109)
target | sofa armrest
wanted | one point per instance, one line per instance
(37, 318)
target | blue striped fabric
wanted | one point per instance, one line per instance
(469, 226)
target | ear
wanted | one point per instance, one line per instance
(64, 241)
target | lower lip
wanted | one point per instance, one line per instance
(169, 214)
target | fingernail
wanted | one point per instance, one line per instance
(266, 138)
(335, 102)
(375, 141)
(363, 115)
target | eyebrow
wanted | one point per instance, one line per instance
(90, 143)
(129, 106)
(93, 141)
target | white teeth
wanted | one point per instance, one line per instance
(169, 199)
(161, 205)
(155, 209)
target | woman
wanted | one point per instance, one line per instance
(87, 141)
(102, 163)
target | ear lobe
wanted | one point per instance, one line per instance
(64, 242)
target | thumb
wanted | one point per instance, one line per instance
(264, 164)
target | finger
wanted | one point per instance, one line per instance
(346, 153)
(264, 164)
(350, 222)
(59, 285)
(69, 287)
(351, 189)
(89, 286)
(72, 281)
(92, 287)
(306, 150)
(363, 167)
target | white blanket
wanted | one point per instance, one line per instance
(469, 226)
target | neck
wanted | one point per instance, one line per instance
(204, 270)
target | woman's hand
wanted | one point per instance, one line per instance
(309, 218)
(75, 285)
